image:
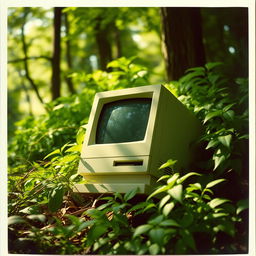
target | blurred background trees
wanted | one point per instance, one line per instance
(47, 46)
(182, 40)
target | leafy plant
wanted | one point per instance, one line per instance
(175, 225)
(184, 215)
(178, 217)
(111, 225)
(218, 102)
(222, 106)
(46, 182)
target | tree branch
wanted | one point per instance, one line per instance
(30, 58)
(25, 50)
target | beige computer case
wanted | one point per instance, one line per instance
(171, 132)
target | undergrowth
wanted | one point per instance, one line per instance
(201, 211)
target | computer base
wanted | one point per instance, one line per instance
(111, 188)
(121, 183)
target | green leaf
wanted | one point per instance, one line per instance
(85, 224)
(157, 220)
(225, 140)
(187, 79)
(103, 206)
(34, 209)
(64, 146)
(214, 182)
(217, 201)
(207, 190)
(176, 192)
(120, 219)
(118, 195)
(212, 65)
(157, 235)
(171, 181)
(183, 178)
(39, 217)
(95, 232)
(80, 136)
(164, 201)
(55, 152)
(245, 136)
(212, 143)
(67, 159)
(151, 205)
(138, 206)
(163, 177)
(116, 208)
(158, 191)
(195, 186)
(193, 195)
(95, 213)
(212, 114)
(169, 223)
(168, 207)
(200, 69)
(142, 230)
(207, 197)
(130, 194)
(242, 205)
(154, 249)
(55, 198)
(218, 160)
(219, 215)
(15, 219)
(169, 163)
(187, 219)
(229, 115)
(76, 148)
(107, 198)
(213, 78)
(228, 107)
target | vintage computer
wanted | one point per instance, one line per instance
(130, 134)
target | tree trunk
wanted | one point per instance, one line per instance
(68, 55)
(26, 95)
(104, 46)
(56, 82)
(182, 40)
(117, 38)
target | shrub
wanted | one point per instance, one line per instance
(200, 216)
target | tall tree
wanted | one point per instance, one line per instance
(182, 37)
(56, 81)
(68, 54)
(117, 38)
(225, 32)
(25, 51)
(102, 32)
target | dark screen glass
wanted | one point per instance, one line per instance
(123, 121)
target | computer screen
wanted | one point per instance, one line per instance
(123, 121)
